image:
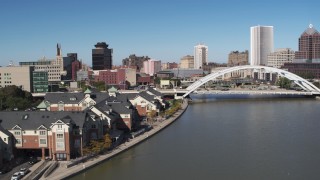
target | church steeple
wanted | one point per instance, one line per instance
(58, 49)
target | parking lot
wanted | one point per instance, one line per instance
(15, 169)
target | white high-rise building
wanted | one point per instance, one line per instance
(200, 56)
(261, 44)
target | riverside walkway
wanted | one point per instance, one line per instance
(62, 172)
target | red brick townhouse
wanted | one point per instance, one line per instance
(71, 101)
(58, 135)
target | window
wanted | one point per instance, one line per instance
(4, 139)
(17, 133)
(43, 133)
(59, 136)
(60, 146)
(59, 126)
(43, 141)
(18, 141)
(93, 126)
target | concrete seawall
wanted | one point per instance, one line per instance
(62, 172)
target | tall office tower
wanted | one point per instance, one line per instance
(279, 57)
(237, 58)
(101, 57)
(309, 46)
(200, 56)
(261, 44)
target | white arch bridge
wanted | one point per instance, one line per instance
(304, 84)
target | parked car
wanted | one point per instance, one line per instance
(33, 161)
(16, 176)
(24, 171)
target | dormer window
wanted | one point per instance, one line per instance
(73, 99)
(43, 133)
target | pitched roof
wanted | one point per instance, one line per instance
(67, 98)
(42, 105)
(112, 89)
(155, 92)
(117, 106)
(99, 96)
(126, 96)
(87, 91)
(34, 119)
(120, 108)
(146, 96)
(310, 30)
(3, 130)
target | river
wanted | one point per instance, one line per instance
(227, 139)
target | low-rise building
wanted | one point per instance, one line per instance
(237, 58)
(58, 135)
(280, 56)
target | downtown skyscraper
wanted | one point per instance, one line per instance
(309, 46)
(101, 57)
(261, 44)
(200, 56)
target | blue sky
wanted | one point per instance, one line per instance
(165, 29)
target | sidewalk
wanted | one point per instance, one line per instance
(62, 172)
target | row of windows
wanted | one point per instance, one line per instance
(42, 133)
(47, 67)
(41, 141)
(6, 78)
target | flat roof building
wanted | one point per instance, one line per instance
(101, 57)
(279, 57)
(18, 76)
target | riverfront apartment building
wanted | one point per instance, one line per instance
(309, 46)
(261, 44)
(280, 56)
(187, 62)
(18, 76)
(101, 57)
(200, 56)
(237, 58)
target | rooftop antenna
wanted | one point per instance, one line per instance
(11, 63)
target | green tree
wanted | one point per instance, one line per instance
(284, 82)
(14, 97)
(100, 85)
(98, 146)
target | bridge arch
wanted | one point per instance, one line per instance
(304, 84)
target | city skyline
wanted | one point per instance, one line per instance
(161, 30)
